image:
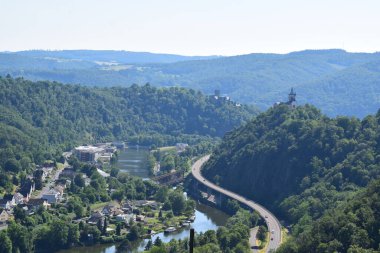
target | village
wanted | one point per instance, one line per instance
(50, 188)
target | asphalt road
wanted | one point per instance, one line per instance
(273, 224)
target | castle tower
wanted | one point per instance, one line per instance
(292, 97)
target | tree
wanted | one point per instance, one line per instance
(59, 234)
(79, 211)
(148, 245)
(12, 165)
(162, 194)
(79, 180)
(168, 163)
(167, 206)
(158, 242)
(105, 225)
(134, 233)
(73, 235)
(262, 233)
(114, 172)
(118, 229)
(178, 202)
(19, 213)
(124, 246)
(20, 237)
(118, 195)
(5, 243)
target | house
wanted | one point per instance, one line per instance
(108, 210)
(11, 199)
(105, 157)
(127, 207)
(4, 216)
(60, 188)
(140, 203)
(88, 153)
(19, 198)
(111, 210)
(95, 218)
(121, 217)
(5, 204)
(34, 204)
(154, 205)
(52, 196)
(180, 147)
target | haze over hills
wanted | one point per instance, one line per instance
(111, 56)
(338, 82)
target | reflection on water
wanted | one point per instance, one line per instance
(206, 218)
(134, 161)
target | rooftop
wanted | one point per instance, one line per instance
(89, 149)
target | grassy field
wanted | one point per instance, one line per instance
(98, 206)
(157, 225)
(167, 149)
(284, 234)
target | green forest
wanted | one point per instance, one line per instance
(315, 172)
(40, 120)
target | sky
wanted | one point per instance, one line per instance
(191, 27)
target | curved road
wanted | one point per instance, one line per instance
(273, 224)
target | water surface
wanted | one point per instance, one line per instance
(134, 161)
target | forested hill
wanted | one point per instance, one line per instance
(46, 114)
(338, 82)
(305, 166)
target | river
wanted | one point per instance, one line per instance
(134, 161)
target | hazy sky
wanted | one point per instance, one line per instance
(190, 27)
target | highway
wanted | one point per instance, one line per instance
(272, 222)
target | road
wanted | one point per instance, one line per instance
(50, 184)
(53, 177)
(272, 222)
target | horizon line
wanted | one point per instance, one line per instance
(194, 55)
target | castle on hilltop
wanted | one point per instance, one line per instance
(292, 102)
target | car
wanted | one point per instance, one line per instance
(272, 231)
(266, 217)
(271, 239)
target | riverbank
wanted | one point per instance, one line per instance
(206, 218)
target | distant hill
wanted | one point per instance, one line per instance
(111, 56)
(336, 81)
